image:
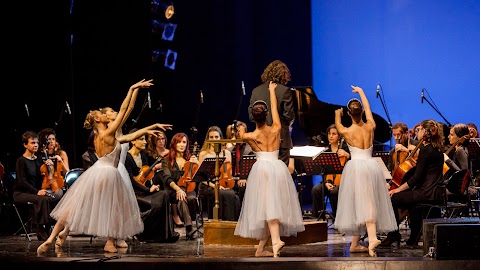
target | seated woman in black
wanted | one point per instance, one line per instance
(182, 203)
(426, 185)
(154, 203)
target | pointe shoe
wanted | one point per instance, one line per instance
(110, 247)
(60, 240)
(277, 247)
(372, 246)
(122, 244)
(358, 248)
(43, 248)
(264, 253)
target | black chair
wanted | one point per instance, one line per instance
(8, 204)
(454, 201)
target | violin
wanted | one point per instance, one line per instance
(190, 169)
(446, 168)
(226, 179)
(52, 179)
(146, 172)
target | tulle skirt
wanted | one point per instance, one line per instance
(270, 194)
(101, 203)
(363, 197)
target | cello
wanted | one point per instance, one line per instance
(399, 156)
(404, 168)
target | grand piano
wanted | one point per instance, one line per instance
(312, 117)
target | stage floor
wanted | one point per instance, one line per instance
(80, 252)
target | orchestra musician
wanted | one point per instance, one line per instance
(459, 138)
(27, 188)
(172, 170)
(404, 144)
(229, 201)
(50, 146)
(329, 187)
(157, 149)
(154, 203)
(425, 186)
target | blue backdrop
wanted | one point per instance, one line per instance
(405, 46)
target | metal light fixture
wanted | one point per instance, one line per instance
(167, 29)
(168, 57)
(159, 7)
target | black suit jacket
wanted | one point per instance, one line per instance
(285, 109)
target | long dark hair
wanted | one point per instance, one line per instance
(433, 133)
(173, 148)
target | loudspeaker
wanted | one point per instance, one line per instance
(429, 226)
(457, 241)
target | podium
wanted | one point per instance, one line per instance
(222, 232)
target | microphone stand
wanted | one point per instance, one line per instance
(388, 117)
(60, 118)
(135, 121)
(435, 108)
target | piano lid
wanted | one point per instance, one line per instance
(314, 116)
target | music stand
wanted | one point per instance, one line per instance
(474, 148)
(246, 165)
(325, 163)
(474, 154)
(206, 172)
(384, 155)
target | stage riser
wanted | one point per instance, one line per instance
(242, 264)
(222, 233)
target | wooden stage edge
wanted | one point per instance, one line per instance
(219, 232)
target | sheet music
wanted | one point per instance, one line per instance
(386, 173)
(306, 151)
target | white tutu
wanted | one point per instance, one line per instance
(100, 203)
(363, 195)
(270, 194)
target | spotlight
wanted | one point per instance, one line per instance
(168, 57)
(159, 7)
(167, 29)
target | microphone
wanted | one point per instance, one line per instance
(26, 108)
(243, 88)
(149, 100)
(423, 96)
(68, 107)
(201, 96)
(160, 106)
(378, 90)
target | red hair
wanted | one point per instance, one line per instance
(173, 147)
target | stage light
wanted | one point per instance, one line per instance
(167, 29)
(159, 7)
(169, 58)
